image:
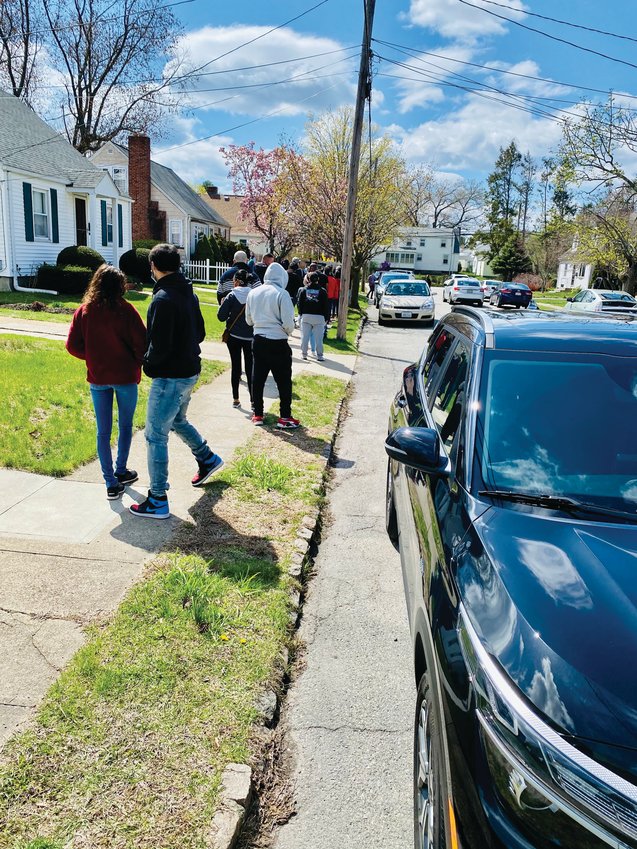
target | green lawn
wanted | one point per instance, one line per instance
(47, 423)
(140, 300)
(553, 297)
(129, 745)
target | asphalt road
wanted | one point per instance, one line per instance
(349, 716)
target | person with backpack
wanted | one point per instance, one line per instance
(109, 334)
(226, 281)
(314, 310)
(238, 333)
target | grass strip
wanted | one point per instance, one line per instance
(47, 424)
(128, 747)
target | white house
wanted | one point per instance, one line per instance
(51, 197)
(166, 208)
(573, 272)
(428, 250)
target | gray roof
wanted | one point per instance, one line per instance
(28, 144)
(176, 190)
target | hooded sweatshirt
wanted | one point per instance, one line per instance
(230, 312)
(269, 308)
(175, 329)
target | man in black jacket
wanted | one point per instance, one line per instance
(226, 281)
(175, 328)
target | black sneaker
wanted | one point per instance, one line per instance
(155, 507)
(206, 470)
(113, 492)
(127, 477)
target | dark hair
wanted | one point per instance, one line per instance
(106, 286)
(313, 277)
(268, 256)
(285, 263)
(165, 257)
(242, 276)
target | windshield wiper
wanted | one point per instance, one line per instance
(557, 502)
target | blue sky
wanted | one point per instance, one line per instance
(454, 130)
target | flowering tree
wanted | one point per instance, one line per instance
(255, 175)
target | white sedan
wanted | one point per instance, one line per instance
(602, 300)
(406, 300)
(458, 290)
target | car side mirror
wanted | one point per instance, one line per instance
(418, 447)
(570, 300)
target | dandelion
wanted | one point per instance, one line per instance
(224, 637)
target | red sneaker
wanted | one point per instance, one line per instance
(257, 420)
(288, 424)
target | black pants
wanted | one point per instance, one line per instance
(235, 347)
(272, 355)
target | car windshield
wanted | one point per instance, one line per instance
(387, 278)
(559, 427)
(407, 288)
(466, 281)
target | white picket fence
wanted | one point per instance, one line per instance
(204, 271)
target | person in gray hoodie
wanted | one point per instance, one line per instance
(270, 312)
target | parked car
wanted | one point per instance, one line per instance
(406, 300)
(601, 300)
(385, 278)
(488, 286)
(458, 290)
(511, 294)
(512, 496)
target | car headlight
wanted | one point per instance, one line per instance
(388, 302)
(427, 303)
(534, 767)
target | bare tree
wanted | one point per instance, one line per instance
(111, 53)
(417, 191)
(452, 203)
(20, 42)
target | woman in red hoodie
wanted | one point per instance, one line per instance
(109, 334)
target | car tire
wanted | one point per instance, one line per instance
(429, 795)
(381, 322)
(499, 302)
(391, 520)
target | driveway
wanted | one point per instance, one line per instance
(349, 716)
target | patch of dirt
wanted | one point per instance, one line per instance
(38, 306)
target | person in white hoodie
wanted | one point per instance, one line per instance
(270, 312)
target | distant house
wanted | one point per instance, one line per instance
(573, 271)
(229, 207)
(429, 250)
(166, 208)
(51, 197)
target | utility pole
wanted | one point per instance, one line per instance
(363, 94)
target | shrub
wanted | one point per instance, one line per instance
(146, 243)
(65, 279)
(204, 250)
(81, 257)
(135, 264)
(533, 281)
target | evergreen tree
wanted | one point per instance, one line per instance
(511, 258)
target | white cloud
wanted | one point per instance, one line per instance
(325, 81)
(452, 19)
(468, 139)
(424, 71)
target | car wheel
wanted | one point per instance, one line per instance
(381, 322)
(429, 799)
(391, 520)
(499, 302)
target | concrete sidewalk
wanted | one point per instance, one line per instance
(68, 556)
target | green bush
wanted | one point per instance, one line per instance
(146, 243)
(65, 279)
(81, 257)
(135, 264)
(204, 250)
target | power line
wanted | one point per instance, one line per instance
(546, 35)
(412, 52)
(564, 23)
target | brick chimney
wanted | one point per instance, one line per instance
(213, 192)
(139, 184)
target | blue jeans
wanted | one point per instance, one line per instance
(126, 395)
(167, 407)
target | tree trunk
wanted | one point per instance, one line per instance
(354, 287)
(630, 281)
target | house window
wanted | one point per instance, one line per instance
(408, 243)
(423, 242)
(40, 214)
(199, 231)
(443, 244)
(419, 258)
(407, 259)
(582, 271)
(109, 223)
(445, 260)
(243, 242)
(175, 232)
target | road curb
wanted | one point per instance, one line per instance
(238, 790)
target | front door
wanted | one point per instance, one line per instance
(81, 230)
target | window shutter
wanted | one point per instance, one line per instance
(104, 224)
(28, 212)
(120, 226)
(55, 227)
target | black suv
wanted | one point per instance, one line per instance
(512, 495)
